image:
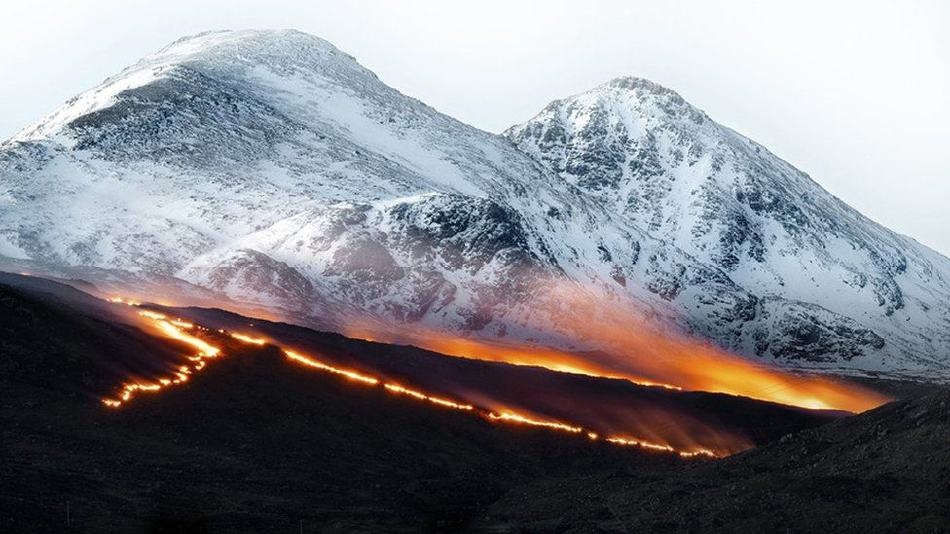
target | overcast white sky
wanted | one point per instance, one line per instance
(857, 94)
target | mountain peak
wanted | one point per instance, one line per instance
(211, 37)
(247, 46)
(649, 99)
(278, 143)
(231, 57)
(611, 115)
(629, 103)
(635, 83)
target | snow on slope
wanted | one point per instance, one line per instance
(234, 143)
(812, 262)
(272, 167)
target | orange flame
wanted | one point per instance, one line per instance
(624, 342)
(310, 362)
(175, 332)
(120, 300)
(396, 388)
(248, 339)
(506, 416)
(517, 418)
(171, 328)
(659, 447)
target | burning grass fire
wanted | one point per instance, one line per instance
(683, 366)
(172, 328)
(516, 418)
(501, 416)
(175, 328)
(620, 342)
(310, 362)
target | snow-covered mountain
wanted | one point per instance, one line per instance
(274, 169)
(818, 269)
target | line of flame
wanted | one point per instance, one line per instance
(518, 418)
(396, 388)
(310, 362)
(507, 416)
(643, 444)
(173, 329)
(249, 339)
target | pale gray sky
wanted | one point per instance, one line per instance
(857, 94)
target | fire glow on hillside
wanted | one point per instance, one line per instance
(625, 343)
(175, 329)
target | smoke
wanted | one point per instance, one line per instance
(613, 338)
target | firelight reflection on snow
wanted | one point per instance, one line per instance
(625, 343)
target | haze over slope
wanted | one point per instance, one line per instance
(258, 442)
(272, 168)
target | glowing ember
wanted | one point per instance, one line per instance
(639, 443)
(172, 329)
(174, 332)
(660, 447)
(395, 388)
(516, 418)
(310, 362)
(694, 454)
(248, 339)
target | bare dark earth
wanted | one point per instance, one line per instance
(259, 445)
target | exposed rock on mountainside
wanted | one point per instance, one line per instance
(837, 285)
(271, 167)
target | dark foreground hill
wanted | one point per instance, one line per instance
(887, 470)
(255, 444)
